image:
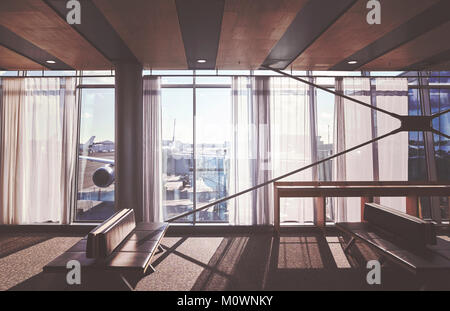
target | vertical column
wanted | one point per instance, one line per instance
(276, 210)
(129, 135)
(411, 205)
(319, 204)
(365, 200)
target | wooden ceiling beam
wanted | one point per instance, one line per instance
(37, 23)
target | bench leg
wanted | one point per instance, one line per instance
(150, 269)
(349, 245)
(125, 281)
(160, 248)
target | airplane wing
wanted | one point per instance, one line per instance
(100, 160)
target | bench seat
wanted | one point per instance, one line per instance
(425, 261)
(133, 254)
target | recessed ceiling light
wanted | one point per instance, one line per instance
(50, 62)
(201, 61)
(352, 62)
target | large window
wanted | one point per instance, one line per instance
(95, 201)
(196, 134)
(213, 139)
(429, 155)
(177, 152)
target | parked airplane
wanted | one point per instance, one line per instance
(87, 146)
(104, 176)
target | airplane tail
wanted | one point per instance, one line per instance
(89, 142)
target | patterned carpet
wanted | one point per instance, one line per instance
(233, 262)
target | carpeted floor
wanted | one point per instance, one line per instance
(306, 261)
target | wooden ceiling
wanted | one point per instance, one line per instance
(420, 49)
(13, 61)
(33, 30)
(250, 29)
(351, 33)
(150, 28)
(37, 23)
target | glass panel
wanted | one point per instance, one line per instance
(234, 72)
(98, 72)
(177, 152)
(325, 130)
(337, 73)
(108, 78)
(205, 72)
(213, 80)
(98, 80)
(324, 81)
(171, 72)
(96, 156)
(50, 73)
(35, 73)
(177, 80)
(443, 77)
(213, 141)
(417, 166)
(386, 73)
(9, 73)
(440, 101)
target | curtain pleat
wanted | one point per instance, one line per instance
(354, 125)
(152, 150)
(291, 143)
(271, 138)
(39, 134)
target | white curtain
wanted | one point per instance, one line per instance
(354, 126)
(392, 95)
(250, 151)
(271, 137)
(152, 150)
(291, 142)
(38, 151)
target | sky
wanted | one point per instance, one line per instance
(97, 115)
(213, 116)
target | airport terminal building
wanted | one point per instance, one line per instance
(222, 145)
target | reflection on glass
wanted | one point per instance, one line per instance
(212, 150)
(177, 152)
(440, 101)
(96, 156)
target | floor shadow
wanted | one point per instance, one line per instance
(10, 244)
(294, 262)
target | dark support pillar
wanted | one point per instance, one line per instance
(129, 130)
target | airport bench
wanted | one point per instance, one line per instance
(407, 241)
(117, 247)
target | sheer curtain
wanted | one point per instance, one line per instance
(38, 151)
(392, 95)
(271, 138)
(354, 125)
(291, 142)
(250, 151)
(152, 149)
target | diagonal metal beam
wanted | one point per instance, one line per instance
(333, 92)
(283, 176)
(439, 133)
(440, 113)
(408, 123)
